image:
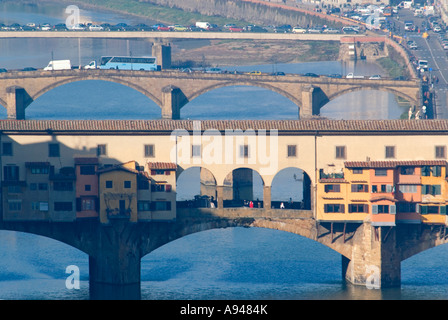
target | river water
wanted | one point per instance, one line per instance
(215, 264)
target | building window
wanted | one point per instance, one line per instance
(40, 170)
(292, 151)
(87, 187)
(360, 188)
(332, 188)
(434, 190)
(143, 205)
(334, 208)
(109, 184)
(360, 208)
(406, 207)
(244, 151)
(407, 171)
(381, 208)
(341, 152)
(149, 151)
(63, 186)
(87, 204)
(63, 206)
(196, 151)
(407, 188)
(87, 170)
(14, 189)
(432, 209)
(101, 150)
(380, 172)
(42, 186)
(435, 171)
(53, 150)
(357, 171)
(11, 173)
(127, 185)
(7, 148)
(15, 205)
(390, 152)
(161, 205)
(440, 152)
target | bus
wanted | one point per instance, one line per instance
(129, 63)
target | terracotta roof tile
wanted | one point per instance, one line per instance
(162, 165)
(306, 126)
(393, 164)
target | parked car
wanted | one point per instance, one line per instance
(375, 77)
(278, 73)
(310, 74)
(257, 29)
(283, 29)
(95, 27)
(298, 29)
(178, 27)
(143, 27)
(29, 69)
(256, 73)
(2, 70)
(235, 29)
(331, 30)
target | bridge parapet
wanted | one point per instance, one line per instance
(308, 93)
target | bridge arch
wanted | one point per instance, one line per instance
(263, 85)
(195, 181)
(292, 186)
(401, 94)
(133, 85)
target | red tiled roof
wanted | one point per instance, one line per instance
(168, 126)
(393, 164)
(162, 165)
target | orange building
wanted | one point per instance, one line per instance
(385, 192)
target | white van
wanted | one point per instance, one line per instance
(422, 65)
(203, 25)
(58, 65)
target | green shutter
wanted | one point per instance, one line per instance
(442, 210)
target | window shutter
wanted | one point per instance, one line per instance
(78, 204)
(168, 188)
(349, 208)
(392, 209)
(375, 209)
(153, 172)
(442, 210)
(366, 208)
(342, 208)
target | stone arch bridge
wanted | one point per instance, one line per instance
(115, 250)
(171, 90)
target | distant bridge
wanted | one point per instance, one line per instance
(171, 90)
(169, 35)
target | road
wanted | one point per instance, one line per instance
(431, 50)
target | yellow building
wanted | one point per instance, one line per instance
(118, 193)
(434, 193)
